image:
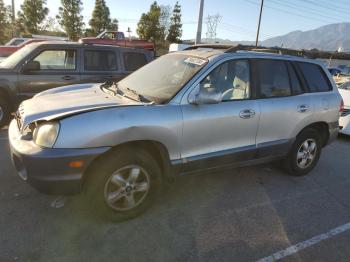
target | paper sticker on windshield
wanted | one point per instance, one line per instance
(195, 61)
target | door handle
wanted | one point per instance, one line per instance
(67, 78)
(303, 108)
(247, 113)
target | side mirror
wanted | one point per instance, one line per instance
(31, 66)
(208, 95)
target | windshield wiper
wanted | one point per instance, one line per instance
(112, 87)
(140, 97)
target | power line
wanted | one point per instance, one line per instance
(329, 6)
(312, 12)
(245, 30)
(291, 13)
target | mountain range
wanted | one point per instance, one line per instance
(328, 38)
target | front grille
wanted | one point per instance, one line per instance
(345, 112)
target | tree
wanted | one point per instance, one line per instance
(149, 27)
(164, 20)
(114, 25)
(175, 30)
(33, 14)
(3, 22)
(70, 18)
(101, 19)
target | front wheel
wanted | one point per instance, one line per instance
(124, 184)
(304, 154)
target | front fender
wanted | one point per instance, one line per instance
(8, 87)
(114, 126)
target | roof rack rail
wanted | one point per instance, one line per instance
(312, 53)
(239, 47)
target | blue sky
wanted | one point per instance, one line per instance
(238, 17)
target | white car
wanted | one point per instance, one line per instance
(344, 120)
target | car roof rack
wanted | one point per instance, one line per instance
(252, 48)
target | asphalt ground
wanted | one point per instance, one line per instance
(247, 214)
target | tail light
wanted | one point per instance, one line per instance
(341, 109)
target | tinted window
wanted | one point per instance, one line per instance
(134, 61)
(57, 60)
(294, 80)
(315, 77)
(100, 60)
(231, 79)
(273, 78)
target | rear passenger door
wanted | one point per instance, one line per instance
(284, 105)
(324, 102)
(100, 65)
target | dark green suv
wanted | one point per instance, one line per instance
(41, 66)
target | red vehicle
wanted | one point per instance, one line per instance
(16, 44)
(117, 38)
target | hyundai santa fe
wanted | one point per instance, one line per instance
(185, 112)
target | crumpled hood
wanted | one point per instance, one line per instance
(68, 100)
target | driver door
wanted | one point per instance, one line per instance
(58, 67)
(222, 133)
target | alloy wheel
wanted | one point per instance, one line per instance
(127, 188)
(306, 153)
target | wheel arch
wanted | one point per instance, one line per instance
(322, 128)
(155, 148)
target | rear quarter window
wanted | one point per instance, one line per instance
(134, 60)
(315, 78)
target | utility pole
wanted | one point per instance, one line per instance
(200, 22)
(257, 33)
(13, 19)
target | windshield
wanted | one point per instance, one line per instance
(345, 86)
(11, 61)
(160, 80)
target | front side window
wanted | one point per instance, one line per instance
(231, 78)
(315, 78)
(273, 78)
(57, 60)
(100, 60)
(134, 61)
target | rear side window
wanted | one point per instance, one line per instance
(100, 60)
(315, 78)
(294, 81)
(273, 78)
(134, 61)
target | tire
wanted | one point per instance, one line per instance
(110, 179)
(302, 158)
(4, 112)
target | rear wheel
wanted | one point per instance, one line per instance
(4, 112)
(124, 184)
(304, 154)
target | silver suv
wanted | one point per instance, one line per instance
(184, 112)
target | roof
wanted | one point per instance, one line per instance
(78, 44)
